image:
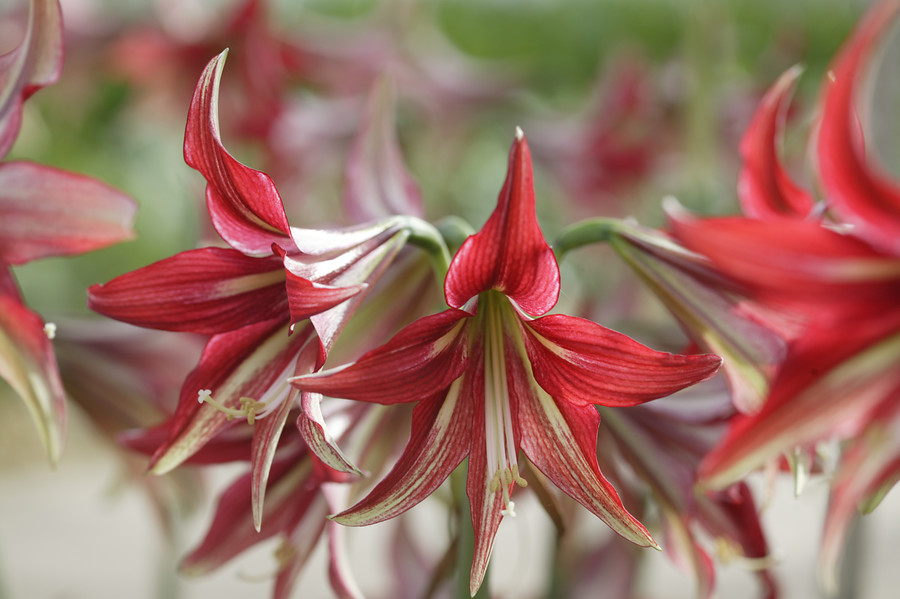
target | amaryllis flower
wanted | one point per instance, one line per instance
(839, 273)
(495, 375)
(274, 301)
(44, 212)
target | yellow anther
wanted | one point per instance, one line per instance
(249, 406)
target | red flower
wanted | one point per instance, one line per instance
(273, 302)
(839, 275)
(43, 212)
(490, 380)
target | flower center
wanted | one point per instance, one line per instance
(499, 437)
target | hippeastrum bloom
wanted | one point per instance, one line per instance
(842, 281)
(44, 212)
(841, 275)
(495, 375)
(274, 301)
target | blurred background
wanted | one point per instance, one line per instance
(623, 102)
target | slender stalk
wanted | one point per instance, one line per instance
(586, 232)
(425, 236)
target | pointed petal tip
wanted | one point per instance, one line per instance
(520, 135)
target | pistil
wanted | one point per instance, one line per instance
(499, 436)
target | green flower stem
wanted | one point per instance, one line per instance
(426, 236)
(455, 230)
(586, 232)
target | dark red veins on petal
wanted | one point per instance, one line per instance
(243, 203)
(509, 254)
(208, 291)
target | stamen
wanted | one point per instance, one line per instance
(499, 437)
(249, 406)
(50, 330)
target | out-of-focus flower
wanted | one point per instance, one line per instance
(44, 212)
(663, 443)
(490, 380)
(611, 144)
(839, 273)
(711, 309)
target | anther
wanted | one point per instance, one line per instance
(249, 406)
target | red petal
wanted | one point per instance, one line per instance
(248, 362)
(484, 504)
(48, 212)
(576, 360)
(560, 439)
(818, 395)
(860, 194)
(509, 254)
(27, 363)
(438, 443)
(793, 261)
(765, 189)
(35, 63)
(267, 433)
(418, 362)
(377, 183)
(308, 298)
(209, 291)
(243, 203)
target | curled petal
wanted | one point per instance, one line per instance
(765, 189)
(509, 254)
(243, 203)
(860, 194)
(35, 63)
(208, 291)
(577, 360)
(314, 430)
(27, 363)
(48, 212)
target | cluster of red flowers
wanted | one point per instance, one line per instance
(794, 301)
